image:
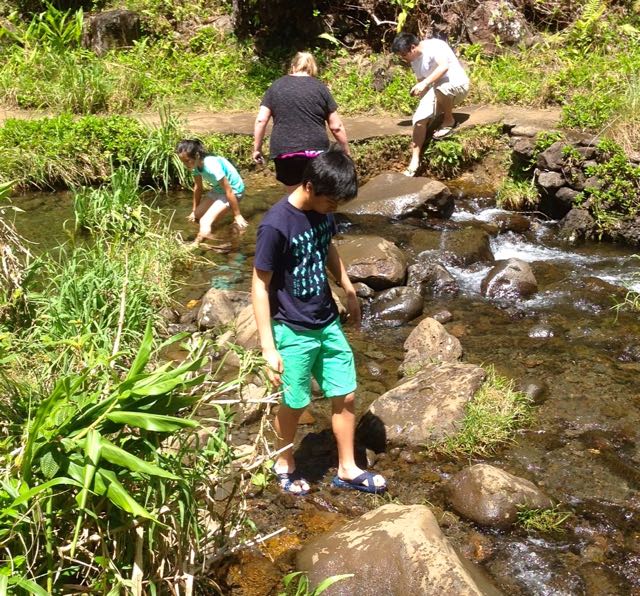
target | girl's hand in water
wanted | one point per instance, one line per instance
(191, 216)
(240, 221)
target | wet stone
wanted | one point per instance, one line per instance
(442, 316)
(536, 389)
(541, 332)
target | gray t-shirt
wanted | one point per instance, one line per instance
(300, 106)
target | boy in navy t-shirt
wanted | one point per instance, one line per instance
(297, 318)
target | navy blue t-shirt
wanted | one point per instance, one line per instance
(293, 244)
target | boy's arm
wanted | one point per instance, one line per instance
(336, 268)
(240, 221)
(260, 300)
(197, 195)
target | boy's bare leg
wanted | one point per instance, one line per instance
(417, 141)
(343, 421)
(286, 425)
(444, 106)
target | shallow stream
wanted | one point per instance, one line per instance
(583, 446)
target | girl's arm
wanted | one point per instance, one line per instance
(337, 129)
(259, 128)
(336, 268)
(260, 300)
(240, 221)
(197, 195)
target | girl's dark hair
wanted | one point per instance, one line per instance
(332, 174)
(192, 148)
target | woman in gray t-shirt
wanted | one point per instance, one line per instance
(301, 107)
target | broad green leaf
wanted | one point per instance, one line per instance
(27, 584)
(153, 422)
(142, 357)
(327, 583)
(36, 490)
(120, 457)
(106, 483)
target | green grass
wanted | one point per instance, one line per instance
(517, 195)
(544, 521)
(492, 419)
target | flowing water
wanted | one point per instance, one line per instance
(583, 447)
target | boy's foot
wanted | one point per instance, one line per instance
(445, 131)
(365, 482)
(291, 482)
(410, 171)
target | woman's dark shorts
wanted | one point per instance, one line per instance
(289, 170)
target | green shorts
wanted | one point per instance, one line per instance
(323, 353)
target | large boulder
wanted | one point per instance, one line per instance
(110, 30)
(553, 157)
(430, 342)
(495, 24)
(466, 246)
(396, 306)
(430, 278)
(508, 280)
(220, 307)
(393, 195)
(427, 407)
(395, 550)
(246, 332)
(372, 260)
(578, 225)
(490, 496)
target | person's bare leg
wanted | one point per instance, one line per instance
(444, 106)
(343, 422)
(214, 212)
(286, 425)
(417, 141)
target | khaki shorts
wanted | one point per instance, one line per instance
(427, 106)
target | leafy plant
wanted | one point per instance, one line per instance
(297, 584)
(517, 195)
(445, 158)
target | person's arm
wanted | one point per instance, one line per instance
(262, 312)
(336, 268)
(338, 131)
(197, 195)
(259, 128)
(240, 221)
(420, 88)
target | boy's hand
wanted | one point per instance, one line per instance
(353, 310)
(419, 89)
(240, 221)
(274, 363)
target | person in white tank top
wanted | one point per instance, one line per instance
(442, 84)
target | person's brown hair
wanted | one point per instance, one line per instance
(304, 62)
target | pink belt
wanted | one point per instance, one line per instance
(309, 154)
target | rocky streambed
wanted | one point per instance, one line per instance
(450, 284)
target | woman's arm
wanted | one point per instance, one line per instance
(337, 130)
(259, 128)
(336, 268)
(240, 221)
(260, 301)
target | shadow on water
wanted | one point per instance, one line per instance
(583, 447)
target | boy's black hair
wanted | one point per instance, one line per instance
(192, 148)
(403, 42)
(332, 174)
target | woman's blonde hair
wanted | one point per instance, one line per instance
(304, 62)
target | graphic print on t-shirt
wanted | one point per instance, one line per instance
(310, 250)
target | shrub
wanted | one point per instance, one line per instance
(517, 195)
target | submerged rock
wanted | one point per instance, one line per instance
(490, 496)
(395, 550)
(372, 260)
(393, 195)
(430, 342)
(427, 407)
(431, 278)
(510, 279)
(220, 307)
(466, 246)
(397, 306)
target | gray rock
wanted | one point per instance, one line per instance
(540, 332)
(395, 550)
(512, 222)
(523, 149)
(495, 24)
(490, 496)
(535, 389)
(430, 342)
(550, 180)
(577, 225)
(442, 316)
(110, 30)
(220, 307)
(428, 407)
(510, 279)
(393, 195)
(396, 306)
(246, 329)
(432, 279)
(552, 158)
(466, 246)
(372, 260)
(363, 290)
